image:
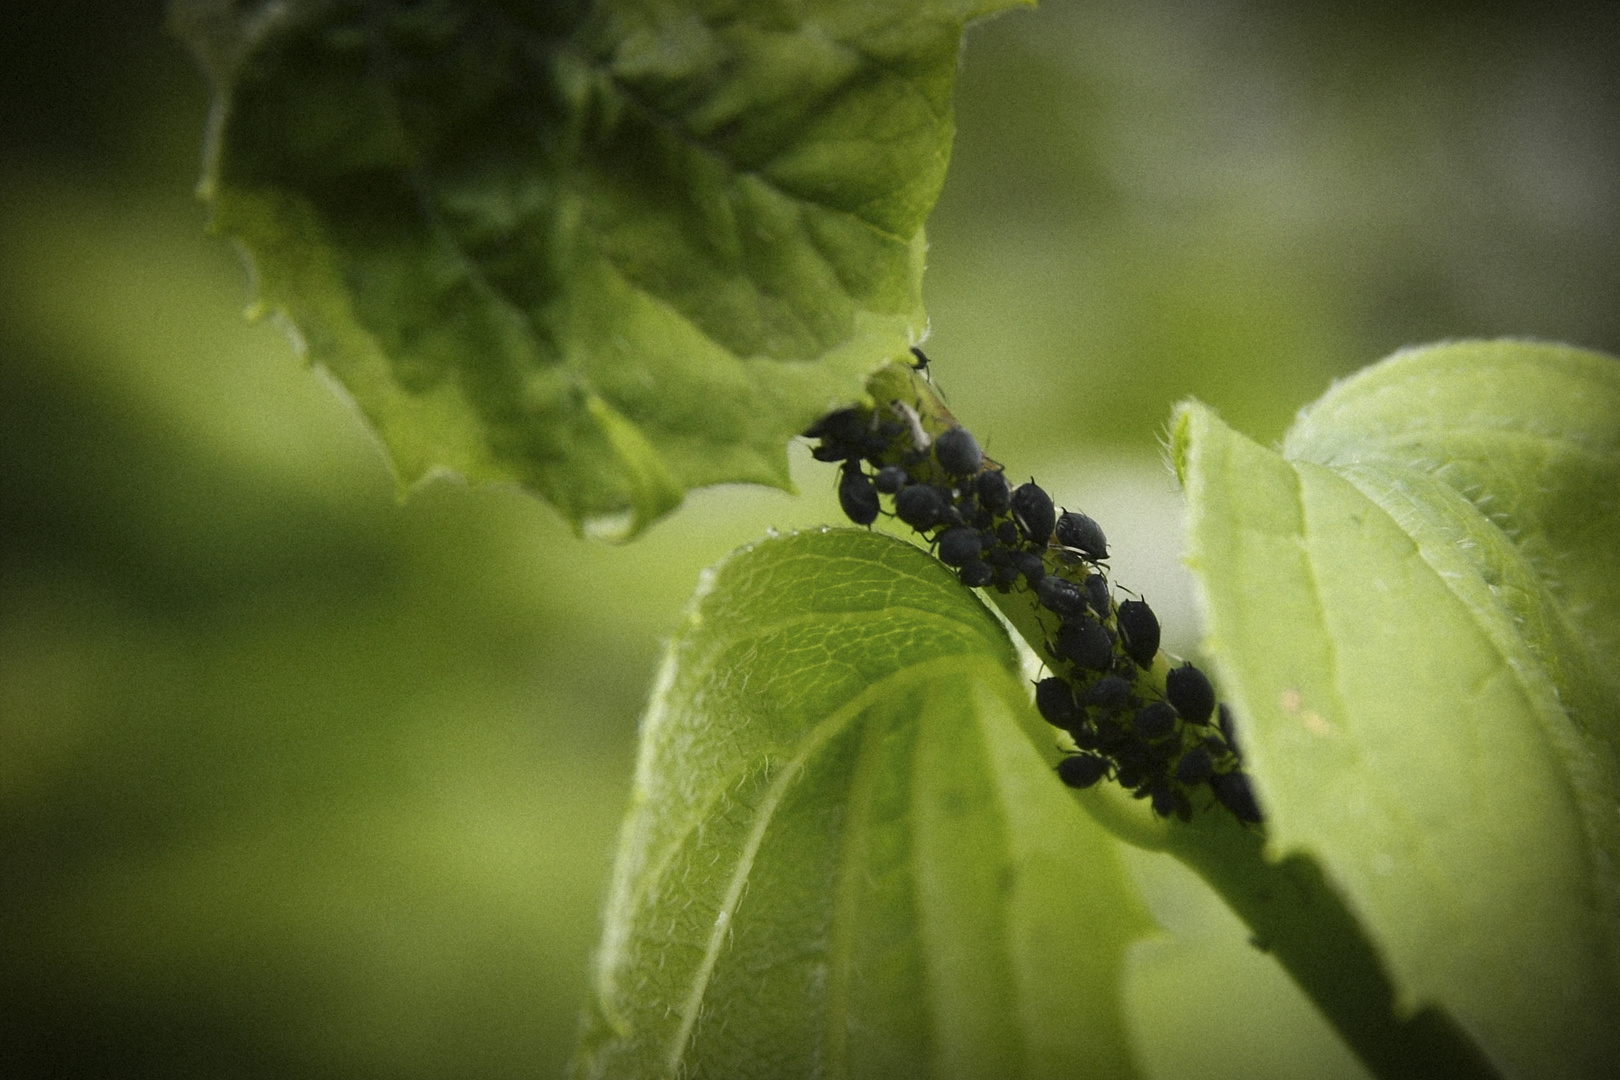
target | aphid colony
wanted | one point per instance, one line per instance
(1161, 746)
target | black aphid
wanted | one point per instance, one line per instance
(1063, 597)
(921, 505)
(1029, 564)
(1097, 594)
(1080, 533)
(994, 494)
(921, 359)
(976, 574)
(1190, 692)
(1007, 533)
(958, 452)
(1140, 629)
(1154, 721)
(1166, 799)
(1081, 770)
(1087, 643)
(834, 451)
(1085, 735)
(1109, 694)
(1054, 697)
(1195, 766)
(1034, 511)
(857, 497)
(958, 544)
(1234, 792)
(873, 446)
(841, 425)
(890, 479)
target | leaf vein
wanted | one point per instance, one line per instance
(816, 738)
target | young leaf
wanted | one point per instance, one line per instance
(1400, 608)
(1528, 434)
(610, 251)
(843, 857)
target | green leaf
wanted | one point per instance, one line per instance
(1402, 607)
(1496, 421)
(843, 856)
(610, 251)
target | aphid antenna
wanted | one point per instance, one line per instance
(1152, 693)
(1042, 614)
(1074, 555)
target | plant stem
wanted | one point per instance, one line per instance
(1288, 905)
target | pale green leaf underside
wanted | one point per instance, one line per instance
(1530, 434)
(609, 251)
(843, 857)
(1401, 606)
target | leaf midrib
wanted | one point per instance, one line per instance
(1555, 728)
(816, 738)
(696, 665)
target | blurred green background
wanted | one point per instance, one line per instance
(298, 781)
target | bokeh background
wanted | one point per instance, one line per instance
(299, 781)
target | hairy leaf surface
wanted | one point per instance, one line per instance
(843, 857)
(1413, 608)
(607, 250)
